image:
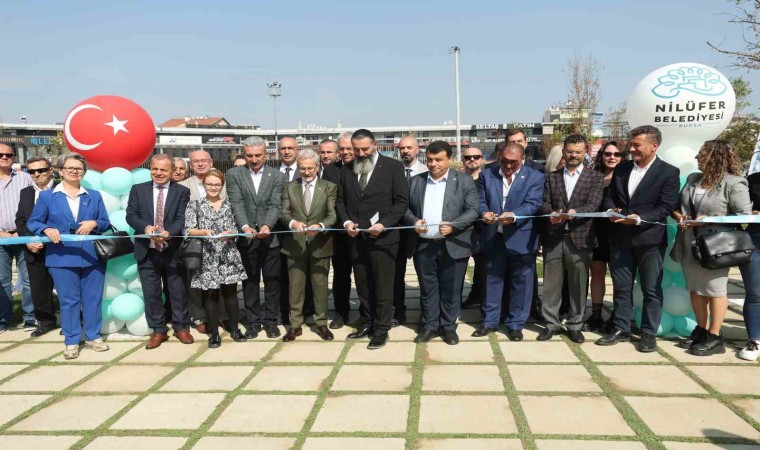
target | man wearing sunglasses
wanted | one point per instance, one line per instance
(11, 184)
(472, 164)
(40, 280)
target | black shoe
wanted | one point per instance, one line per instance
(41, 331)
(710, 345)
(546, 334)
(251, 332)
(450, 337)
(426, 336)
(648, 343)
(214, 340)
(337, 322)
(698, 334)
(515, 335)
(614, 338)
(237, 336)
(398, 321)
(272, 331)
(471, 303)
(576, 336)
(483, 331)
(358, 334)
(378, 340)
(594, 323)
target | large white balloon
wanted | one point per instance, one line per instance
(682, 157)
(114, 286)
(112, 202)
(689, 102)
(139, 326)
(676, 301)
(111, 326)
(135, 287)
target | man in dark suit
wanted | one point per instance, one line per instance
(40, 281)
(373, 196)
(506, 192)
(158, 207)
(308, 205)
(568, 241)
(643, 190)
(449, 198)
(255, 193)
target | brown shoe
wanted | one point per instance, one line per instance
(156, 339)
(325, 333)
(292, 334)
(201, 327)
(184, 336)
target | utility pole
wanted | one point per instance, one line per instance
(274, 92)
(455, 51)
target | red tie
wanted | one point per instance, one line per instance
(160, 246)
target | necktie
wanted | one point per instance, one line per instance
(363, 181)
(408, 175)
(159, 222)
(307, 197)
(287, 172)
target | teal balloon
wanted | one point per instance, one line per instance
(637, 317)
(105, 307)
(682, 180)
(116, 181)
(684, 325)
(119, 221)
(127, 307)
(667, 278)
(678, 279)
(666, 324)
(140, 175)
(91, 180)
(124, 267)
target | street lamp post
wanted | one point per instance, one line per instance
(455, 51)
(274, 92)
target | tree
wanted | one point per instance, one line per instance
(616, 123)
(583, 81)
(747, 17)
(744, 128)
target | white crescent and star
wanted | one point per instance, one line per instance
(116, 124)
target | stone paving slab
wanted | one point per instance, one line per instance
(531, 378)
(373, 378)
(169, 411)
(650, 379)
(368, 413)
(39, 442)
(136, 442)
(74, 413)
(125, 379)
(470, 444)
(47, 378)
(574, 415)
(258, 443)
(167, 353)
(466, 414)
(328, 443)
(289, 378)
(265, 413)
(473, 378)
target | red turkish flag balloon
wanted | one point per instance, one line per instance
(110, 131)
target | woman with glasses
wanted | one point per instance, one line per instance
(77, 272)
(221, 266)
(608, 157)
(718, 191)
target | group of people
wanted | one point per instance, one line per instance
(355, 209)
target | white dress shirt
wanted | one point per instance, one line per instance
(636, 175)
(72, 201)
(571, 178)
(292, 175)
(38, 189)
(432, 212)
(256, 178)
(507, 185)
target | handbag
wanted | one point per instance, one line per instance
(720, 249)
(111, 248)
(190, 253)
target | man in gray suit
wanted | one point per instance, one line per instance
(449, 198)
(255, 193)
(200, 163)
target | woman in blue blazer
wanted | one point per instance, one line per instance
(77, 273)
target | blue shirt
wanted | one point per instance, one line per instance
(433, 209)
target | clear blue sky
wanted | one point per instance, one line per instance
(362, 63)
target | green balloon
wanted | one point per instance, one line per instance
(140, 175)
(682, 179)
(666, 324)
(124, 267)
(91, 180)
(119, 221)
(105, 307)
(127, 307)
(678, 279)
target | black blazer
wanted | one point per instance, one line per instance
(331, 173)
(140, 214)
(386, 194)
(25, 207)
(655, 198)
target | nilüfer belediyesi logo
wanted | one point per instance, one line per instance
(698, 80)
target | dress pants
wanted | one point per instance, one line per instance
(80, 289)
(308, 306)
(563, 259)
(260, 260)
(306, 270)
(7, 254)
(399, 283)
(374, 270)
(155, 267)
(341, 287)
(625, 261)
(42, 289)
(751, 278)
(516, 272)
(441, 279)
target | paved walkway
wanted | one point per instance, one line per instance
(482, 394)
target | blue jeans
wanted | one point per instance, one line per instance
(751, 278)
(7, 254)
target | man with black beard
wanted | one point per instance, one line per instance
(374, 196)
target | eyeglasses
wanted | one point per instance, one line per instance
(615, 154)
(200, 161)
(33, 171)
(214, 185)
(6, 155)
(472, 157)
(73, 169)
